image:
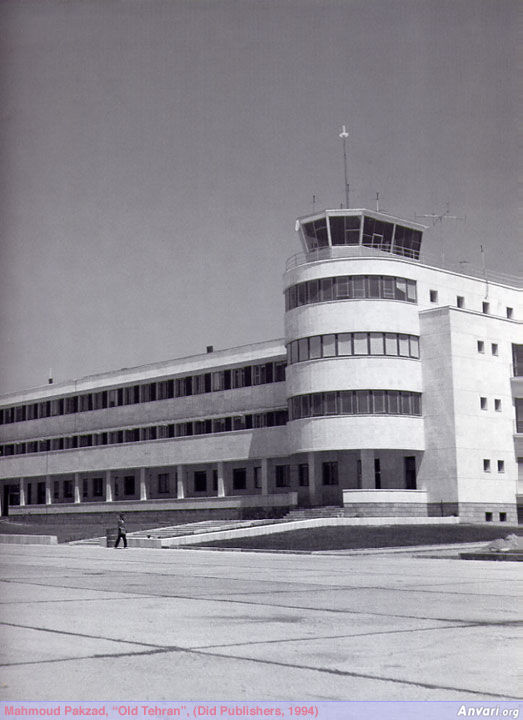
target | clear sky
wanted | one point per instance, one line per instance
(155, 154)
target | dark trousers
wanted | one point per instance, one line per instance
(121, 535)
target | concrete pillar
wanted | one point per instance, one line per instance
(48, 493)
(367, 469)
(22, 491)
(264, 476)
(144, 490)
(108, 487)
(181, 482)
(315, 479)
(76, 488)
(222, 489)
(294, 480)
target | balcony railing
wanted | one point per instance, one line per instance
(426, 258)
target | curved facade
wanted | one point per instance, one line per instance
(394, 392)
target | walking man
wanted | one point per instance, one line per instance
(122, 532)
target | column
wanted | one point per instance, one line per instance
(22, 491)
(367, 469)
(315, 479)
(264, 476)
(181, 482)
(222, 486)
(143, 484)
(48, 494)
(76, 488)
(108, 487)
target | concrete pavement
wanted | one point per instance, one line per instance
(90, 623)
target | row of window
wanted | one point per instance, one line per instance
(151, 432)
(149, 392)
(355, 402)
(356, 343)
(483, 403)
(494, 348)
(500, 464)
(350, 287)
(460, 303)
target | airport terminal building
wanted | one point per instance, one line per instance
(397, 391)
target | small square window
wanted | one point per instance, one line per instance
(503, 517)
(486, 465)
(460, 301)
(481, 346)
(510, 315)
(483, 403)
(433, 294)
(497, 404)
(494, 348)
(501, 466)
(485, 308)
(488, 516)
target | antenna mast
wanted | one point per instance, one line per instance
(344, 135)
(439, 219)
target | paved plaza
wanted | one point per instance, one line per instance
(90, 623)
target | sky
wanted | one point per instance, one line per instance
(154, 155)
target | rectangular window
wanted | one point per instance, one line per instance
(303, 475)
(329, 401)
(343, 287)
(317, 404)
(433, 295)
(400, 290)
(403, 345)
(377, 474)
(411, 291)
(358, 283)
(510, 313)
(345, 402)
(481, 346)
(393, 402)
(361, 345)
(391, 343)
(494, 349)
(485, 308)
(486, 465)
(405, 408)
(483, 403)
(374, 286)
(501, 466)
(326, 289)
(388, 285)
(460, 301)
(315, 347)
(303, 349)
(376, 343)
(129, 485)
(502, 517)
(362, 402)
(306, 407)
(497, 404)
(163, 482)
(200, 481)
(344, 344)
(488, 517)
(379, 402)
(98, 487)
(85, 488)
(313, 289)
(56, 490)
(330, 473)
(414, 346)
(293, 346)
(517, 360)
(329, 345)
(68, 488)
(282, 476)
(257, 477)
(239, 479)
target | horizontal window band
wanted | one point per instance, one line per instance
(350, 287)
(189, 428)
(230, 379)
(354, 402)
(353, 344)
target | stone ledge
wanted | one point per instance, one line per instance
(29, 539)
